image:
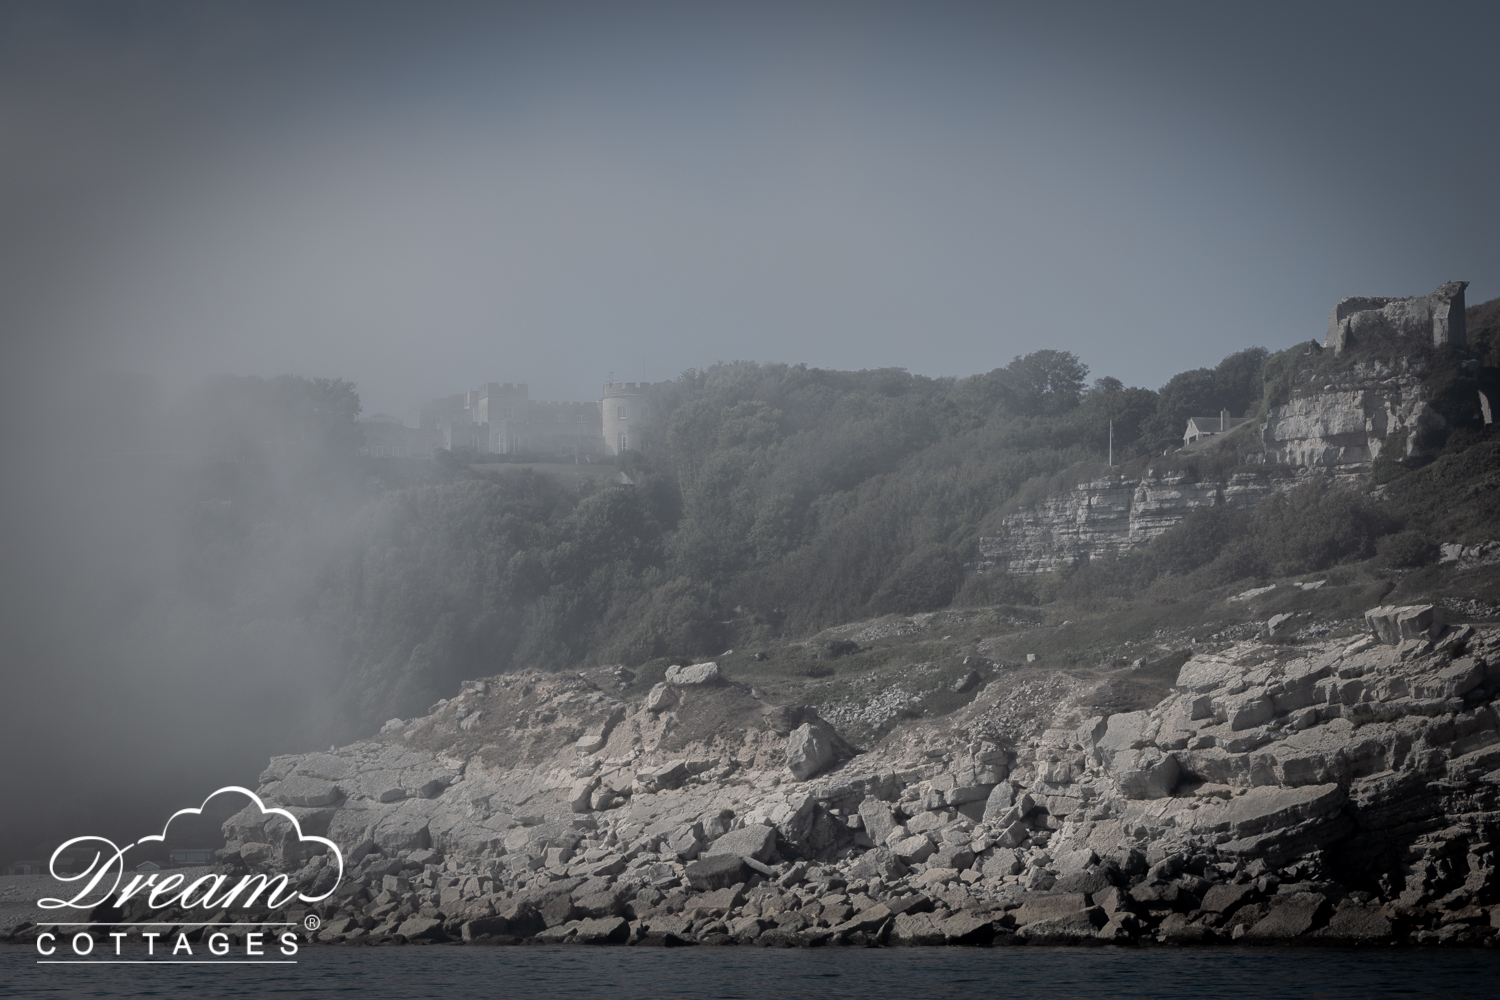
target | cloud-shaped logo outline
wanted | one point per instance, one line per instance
(96, 875)
(264, 811)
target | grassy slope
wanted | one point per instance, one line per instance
(1133, 648)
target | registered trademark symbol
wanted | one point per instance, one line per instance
(312, 922)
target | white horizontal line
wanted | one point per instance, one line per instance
(173, 923)
(165, 961)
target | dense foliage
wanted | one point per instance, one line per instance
(770, 500)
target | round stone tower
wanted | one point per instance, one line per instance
(623, 405)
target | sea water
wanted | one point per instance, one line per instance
(455, 973)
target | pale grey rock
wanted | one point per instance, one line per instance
(581, 797)
(1481, 554)
(1013, 835)
(1110, 515)
(927, 822)
(758, 842)
(957, 857)
(1000, 800)
(809, 751)
(914, 849)
(1436, 318)
(597, 735)
(1000, 863)
(1145, 774)
(1393, 624)
(660, 698)
(1069, 862)
(300, 790)
(687, 843)
(1253, 592)
(967, 793)
(1245, 710)
(879, 819)
(696, 674)
(1351, 422)
(1290, 917)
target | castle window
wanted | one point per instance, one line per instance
(622, 441)
(622, 413)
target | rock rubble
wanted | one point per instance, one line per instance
(1331, 792)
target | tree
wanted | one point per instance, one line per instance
(1044, 381)
(1234, 385)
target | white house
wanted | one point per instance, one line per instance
(1202, 427)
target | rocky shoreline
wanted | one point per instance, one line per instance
(1330, 793)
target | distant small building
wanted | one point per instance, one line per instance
(148, 866)
(1199, 428)
(27, 868)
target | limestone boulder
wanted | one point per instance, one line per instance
(914, 849)
(878, 817)
(301, 790)
(809, 751)
(660, 698)
(696, 674)
(758, 842)
(1145, 774)
(1290, 917)
(580, 798)
(717, 871)
(1393, 624)
(1000, 800)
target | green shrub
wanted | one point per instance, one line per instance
(1316, 525)
(1387, 465)
(996, 587)
(925, 581)
(1407, 550)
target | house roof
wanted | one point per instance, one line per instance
(1212, 423)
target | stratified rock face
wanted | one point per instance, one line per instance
(1437, 318)
(1349, 421)
(1111, 515)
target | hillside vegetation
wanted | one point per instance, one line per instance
(773, 501)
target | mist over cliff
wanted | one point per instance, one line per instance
(216, 575)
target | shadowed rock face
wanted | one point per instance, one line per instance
(1342, 790)
(1437, 319)
(1350, 420)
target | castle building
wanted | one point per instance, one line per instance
(623, 408)
(501, 418)
(497, 418)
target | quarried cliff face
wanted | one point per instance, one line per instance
(1110, 515)
(1351, 421)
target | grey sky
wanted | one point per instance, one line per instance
(422, 197)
